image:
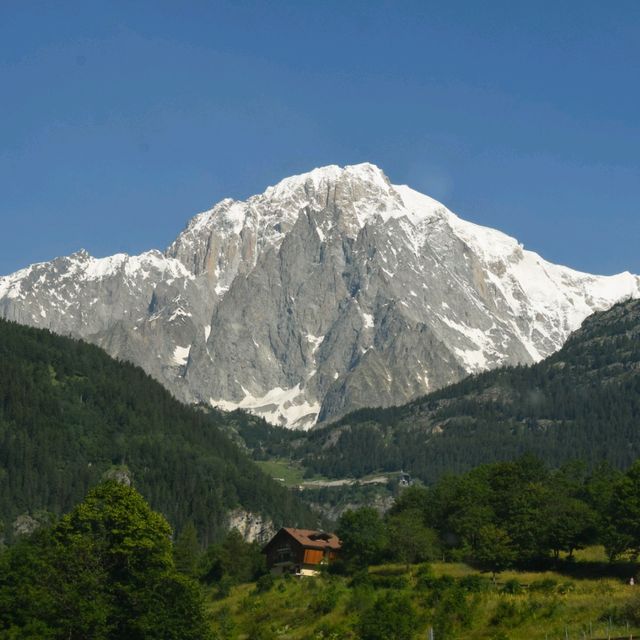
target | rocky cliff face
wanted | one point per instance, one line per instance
(251, 526)
(331, 291)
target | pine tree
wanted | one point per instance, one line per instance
(186, 551)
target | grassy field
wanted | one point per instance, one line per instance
(290, 474)
(519, 605)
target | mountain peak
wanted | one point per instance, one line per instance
(331, 290)
(81, 254)
(357, 191)
(360, 180)
(362, 170)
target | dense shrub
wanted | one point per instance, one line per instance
(326, 599)
(512, 587)
(391, 617)
(265, 583)
(474, 583)
(548, 585)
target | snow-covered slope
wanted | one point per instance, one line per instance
(330, 291)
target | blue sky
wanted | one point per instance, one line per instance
(120, 120)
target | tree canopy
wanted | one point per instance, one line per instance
(105, 571)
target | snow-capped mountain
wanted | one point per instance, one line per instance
(332, 290)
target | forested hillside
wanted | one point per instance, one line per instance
(69, 413)
(581, 403)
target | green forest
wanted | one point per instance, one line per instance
(500, 515)
(69, 414)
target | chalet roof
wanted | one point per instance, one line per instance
(312, 538)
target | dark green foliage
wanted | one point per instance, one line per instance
(410, 540)
(47, 589)
(570, 524)
(631, 610)
(105, 571)
(599, 491)
(224, 586)
(232, 561)
(385, 581)
(626, 507)
(391, 617)
(474, 583)
(507, 612)
(512, 613)
(69, 413)
(512, 587)
(546, 585)
(495, 551)
(326, 599)
(362, 598)
(186, 550)
(516, 513)
(454, 611)
(363, 536)
(265, 583)
(496, 516)
(437, 587)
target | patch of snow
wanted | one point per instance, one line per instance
(181, 355)
(279, 406)
(104, 267)
(368, 320)
(473, 360)
(10, 286)
(179, 313)
(315, 341)
(474, 356)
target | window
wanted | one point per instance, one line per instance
(283, 554)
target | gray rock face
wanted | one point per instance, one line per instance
(331, 291)
(251, 526)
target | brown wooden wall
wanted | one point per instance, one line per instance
(280, 542)
(313, 556)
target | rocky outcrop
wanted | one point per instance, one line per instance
(331, 291)
(251, 526)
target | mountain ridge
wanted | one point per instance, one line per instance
(332, 290)
(582, 402)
